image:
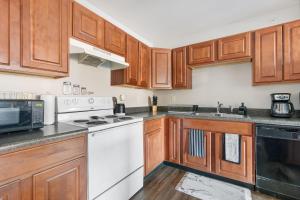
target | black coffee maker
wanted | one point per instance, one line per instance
(281, 105)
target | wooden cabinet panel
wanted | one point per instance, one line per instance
(235, 47)
(115, 39)
(144, 65)
(174, 135)
(182, 75)
(244, 171)
(67, 181)
(202, 53)
(10, 33)
(152, 125)
(5, 31)
(45, 34)
(161, 69)
(267, 64)
(132, 57)
(88, 26)
(10, 191)
(292, 51)
(154, 149)
(200, 163)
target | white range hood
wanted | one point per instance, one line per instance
(90, 55)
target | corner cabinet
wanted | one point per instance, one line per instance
(132, 57)
(182, 74)
(144, 65)
(161, 69)
(268, 59)
(115, 39)
(88, 26)
(45, 35)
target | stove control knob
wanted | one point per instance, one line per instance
(67, 102)
(91, 100)
(75, 101)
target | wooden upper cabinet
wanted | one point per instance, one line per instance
(202, 53)
(235, 47)
(88, 26)
(11, 191)
(5, 31)
(161, 69)
(267, 64)
(144, 65)
(10, 32)
(45, 34)
(132, 57)
(182, 74)
(115, 39)
(292, 51)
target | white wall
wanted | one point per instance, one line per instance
(230, 84)
(94, 79)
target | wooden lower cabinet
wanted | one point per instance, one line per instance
(10, 191)
(153, 144)
(174, 138)
(201, 163)
(55, 170)
(66, 182)
(243, 171)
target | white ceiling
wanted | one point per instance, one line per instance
(160, 21)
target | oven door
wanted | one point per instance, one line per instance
(278, 160)
(15, 115)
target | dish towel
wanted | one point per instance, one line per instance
(232, 147)
(196, 143)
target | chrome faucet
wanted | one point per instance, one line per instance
(219, 107)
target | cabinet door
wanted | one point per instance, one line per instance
(174, 140)
(10, 191)
(235, 47)
(267, 64)
(10, 33)
(67, 181)
(115, 39)
(132, 57)
(88, 26)
(45, 34)
(202, 53)
(182, 75)
(244, 171)
(161, 69)
(144, 65)
(154, 150)
(292, 51)
(200, 163)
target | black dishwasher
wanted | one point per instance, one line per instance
(278, 159)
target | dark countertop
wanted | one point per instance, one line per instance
(294, 121)
(13, 141)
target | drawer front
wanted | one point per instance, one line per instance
(152, 125)
(241, 128)
(32, 159)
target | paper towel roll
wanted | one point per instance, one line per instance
(49, 109)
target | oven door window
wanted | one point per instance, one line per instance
(15, 115)
(279, 159)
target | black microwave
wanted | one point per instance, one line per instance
(19, 115)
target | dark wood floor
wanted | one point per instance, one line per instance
(161, 186)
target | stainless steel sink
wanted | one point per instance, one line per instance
(222, 115)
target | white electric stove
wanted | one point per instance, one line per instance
(115, 146)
